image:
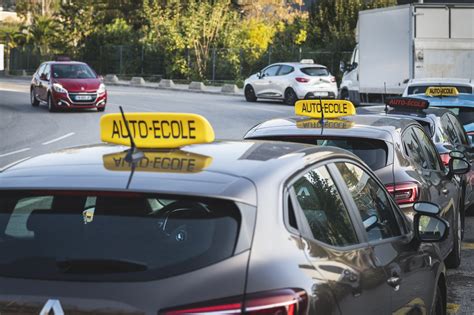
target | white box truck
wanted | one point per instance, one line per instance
(405, 42)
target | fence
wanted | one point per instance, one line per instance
(151, 63)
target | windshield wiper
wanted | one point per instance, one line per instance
(99, 266)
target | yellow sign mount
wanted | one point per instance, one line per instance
(324, 108)
(156, 130)
(440, 91)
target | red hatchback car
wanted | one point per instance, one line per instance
(67, 85)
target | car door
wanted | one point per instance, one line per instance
(335, 246)
(409, 270)
(444, 190)
(283, 79)
(264, 86)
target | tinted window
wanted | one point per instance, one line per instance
(111, 236)
(459, 129)
(284, 70)
(271, 71)
(371, 151)
(464, 114)
(428, 151)
(315, 71)
(72, 71)
(413, 150)
(372, 202)
(323, 208)
(421, 89)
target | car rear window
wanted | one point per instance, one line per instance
(371, 151)
(421, 89)
(72, 71)
(315, 71)
(108, 236)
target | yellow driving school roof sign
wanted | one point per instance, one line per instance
(156, 130)
(441, 91)
(324, 108)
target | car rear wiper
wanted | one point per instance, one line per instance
(99, 266)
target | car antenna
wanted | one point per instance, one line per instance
(133, 154)
(322, 114)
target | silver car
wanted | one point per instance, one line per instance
(290, 81)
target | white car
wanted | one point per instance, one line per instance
(419, 86)
(290, 81)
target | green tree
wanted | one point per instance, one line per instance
(42, 34)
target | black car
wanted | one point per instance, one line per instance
(445, 130)
(250, 227)
(397, 149)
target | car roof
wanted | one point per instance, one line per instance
(461, 100)
(65, 62)
(419, 114)
(236, 168)
(441, 81)
(299, 64)
(358, 126)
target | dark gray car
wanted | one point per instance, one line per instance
(249, 227)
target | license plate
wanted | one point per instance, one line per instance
(83, 97)
(320, 93)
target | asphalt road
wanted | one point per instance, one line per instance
(28, 131)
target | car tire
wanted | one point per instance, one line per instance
(100, 109)
(345, 95)
(290, 97)
(249, 93)
(439, 304)
(51, 106)
(454, 258)
(33, 99)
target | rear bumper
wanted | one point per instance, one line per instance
(63, 100)
(315, 91)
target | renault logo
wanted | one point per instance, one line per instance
(52, 305)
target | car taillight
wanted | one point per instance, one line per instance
(404, 193)
(302, 80)
(278, 302)
(445, 158)
(333, 79)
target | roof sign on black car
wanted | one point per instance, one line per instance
(407, 103)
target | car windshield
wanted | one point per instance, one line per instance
(421, 89)
(371, 151)
(72, 71)
(112, 236)
(315, 71)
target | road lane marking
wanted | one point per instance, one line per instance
(59, 138)
(14, 152)
(467, 245)
(452, 308)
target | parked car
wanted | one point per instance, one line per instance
(291, 81)
(397, 149)
(416, 87)
(67, 85)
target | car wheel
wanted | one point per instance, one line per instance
(439, 306)
(290, 97)
(33, 99)
(345, 95)
(250, 94)
(100, 109)
(51, 106)
(454, 258)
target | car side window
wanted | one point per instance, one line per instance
(271, 71)
(371, 199)
(322, 206)
(47, 71)
(41, 69)
(284, 70)
(412, 149)
(459, 129)
(429, 152)
(449, 129)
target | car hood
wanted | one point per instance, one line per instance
(79, 85)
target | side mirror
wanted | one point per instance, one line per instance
(260, 75)
(458, 165)
(101, 78)
(430, 228)
(43, 77)
(342, 66)
(428, 208)
(370, 222)
(354, 65)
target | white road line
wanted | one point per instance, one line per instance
(14, 152)
(57, 139)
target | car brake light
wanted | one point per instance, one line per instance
(404, 193)
(278, 302)
(445, 158)
(302, 80)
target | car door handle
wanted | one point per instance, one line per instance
(394, 282)
(445, 191)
